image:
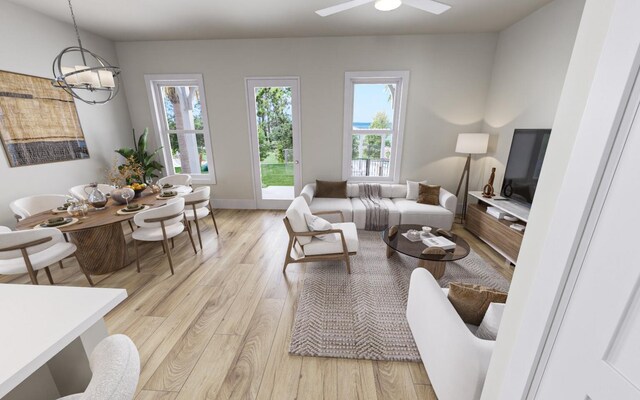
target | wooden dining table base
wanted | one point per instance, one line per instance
(102, 249)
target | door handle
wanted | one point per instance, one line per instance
(297, 162)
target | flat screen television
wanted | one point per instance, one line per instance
(525, 163)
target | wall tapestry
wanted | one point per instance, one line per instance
(38, 123)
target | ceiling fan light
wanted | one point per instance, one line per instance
(387, 5)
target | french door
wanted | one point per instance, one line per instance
(274, 126)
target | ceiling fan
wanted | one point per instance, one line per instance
(431, 6)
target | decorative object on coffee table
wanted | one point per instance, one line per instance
(487, 191)
(434, 260)
(469, 143)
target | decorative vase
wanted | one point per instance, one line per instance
(116, 195)
(95, 197)
(487, 191)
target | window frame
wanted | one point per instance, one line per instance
(401, 79)
(162, 132)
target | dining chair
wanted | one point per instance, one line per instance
(28, 206)
(197, 206)
(115, 370)
(31, 250)
(159, 225)
(177, 179)
(79, 193)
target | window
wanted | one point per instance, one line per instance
(180, 116)
(375, 104)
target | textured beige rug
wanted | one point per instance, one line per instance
(362, 315)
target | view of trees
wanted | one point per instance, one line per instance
(174, 110)
(370, 146)
(273, 113)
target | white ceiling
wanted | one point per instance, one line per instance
(128, 20)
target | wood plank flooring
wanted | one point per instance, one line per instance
(220, 327)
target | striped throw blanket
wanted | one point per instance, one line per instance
(376, 211)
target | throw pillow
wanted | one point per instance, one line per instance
(428, 194)
(329, 189)
(472, 301)
(317, 224)
(488, 328)
(412, 189)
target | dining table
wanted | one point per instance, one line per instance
(99, 237)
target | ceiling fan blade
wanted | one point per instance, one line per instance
(431, 6)
(342, 7)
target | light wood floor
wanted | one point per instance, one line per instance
(220, 327)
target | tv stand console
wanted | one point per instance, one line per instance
(496, 232)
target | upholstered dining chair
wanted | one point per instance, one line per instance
(159, 225)
(31, 250)
(79, 193)
(28, 206)
(115, 369)
(306, 246)
(177, 179)
(197, 206)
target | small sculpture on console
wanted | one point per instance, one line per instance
(487, 191)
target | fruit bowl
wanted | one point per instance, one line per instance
(138, 188)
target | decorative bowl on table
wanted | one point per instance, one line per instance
(117, 195)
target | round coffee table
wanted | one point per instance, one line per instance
(435, 260)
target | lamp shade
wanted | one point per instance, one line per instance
(472, 143)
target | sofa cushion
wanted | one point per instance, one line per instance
(472, 301)
(343, 205)
(413, 189)
(353, 190)
(423, 214)
(295, 214)
(317, 246)
(360, 212)
(428, 194)
(330, 189)
(393, 190)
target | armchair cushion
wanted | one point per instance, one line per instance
(320, 247)
(472, 301)
(317, 224)
(295, 214)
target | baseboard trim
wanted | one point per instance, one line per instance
(234, 204)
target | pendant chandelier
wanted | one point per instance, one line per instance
(94, 81)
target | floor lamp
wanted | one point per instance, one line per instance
(469, 143)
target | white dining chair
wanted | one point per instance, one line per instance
(115, 370)
(31, 250)
(28, 206)
(79, 193)
(177, 179)
(198, 206)
(159, 225)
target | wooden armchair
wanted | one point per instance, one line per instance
(300, 238)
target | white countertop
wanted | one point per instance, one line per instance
(517, 209)
(36, 322)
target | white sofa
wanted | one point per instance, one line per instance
(401, 209)
(455, 359)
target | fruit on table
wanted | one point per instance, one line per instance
(138, 186)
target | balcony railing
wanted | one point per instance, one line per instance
(370, 167)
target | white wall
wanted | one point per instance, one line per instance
(593, 27)
(28, 44)
(531, 62)
(449, 81)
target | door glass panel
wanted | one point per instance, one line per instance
(274, 123)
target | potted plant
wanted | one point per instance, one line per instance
(142, 157)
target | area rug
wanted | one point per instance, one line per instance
(362, 315)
